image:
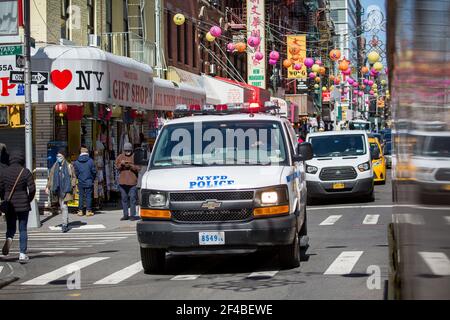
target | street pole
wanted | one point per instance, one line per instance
(33, 218)
(158, 37)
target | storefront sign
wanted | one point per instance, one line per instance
(255, 26)
(326, 96)
(296, 52)
(130, 87)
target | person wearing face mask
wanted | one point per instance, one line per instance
(128, 179)
(61, 183)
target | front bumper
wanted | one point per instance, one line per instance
(360, 187)
(248, 235)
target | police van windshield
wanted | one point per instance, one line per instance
(338, 145)
(224, 143)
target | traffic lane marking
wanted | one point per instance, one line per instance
(438, 262)
(371, 219)
(186, 277)
(344, 263)
(262, 274)
(63, 271)
(84, 227)
(330, 220)
(122, 274)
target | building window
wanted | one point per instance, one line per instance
(169, 35)
(179, 57)
(108, 16)
(194, 46)
(91, 16)
(186, 41)
(65, 17)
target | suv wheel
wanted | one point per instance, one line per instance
(153, 260)
(289, 255)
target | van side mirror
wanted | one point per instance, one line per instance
(141, 156)
(304, 152)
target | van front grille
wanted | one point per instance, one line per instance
(337, 173)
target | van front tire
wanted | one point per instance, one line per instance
(289, 255)
(153, 260)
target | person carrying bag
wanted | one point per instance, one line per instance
(18, 187)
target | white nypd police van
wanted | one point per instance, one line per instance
(224, 182)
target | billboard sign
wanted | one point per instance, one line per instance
(296, 52)
(256, 27)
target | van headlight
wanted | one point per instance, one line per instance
(364, 166)
(311, 169)
(271, 196)
(154, 199)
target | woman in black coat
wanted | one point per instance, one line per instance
(21, 198)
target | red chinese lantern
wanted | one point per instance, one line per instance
(287, 63)
(61, 109)
(335, 54)
(343, 65)
(241, 47)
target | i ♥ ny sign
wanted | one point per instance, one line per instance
(62, 78)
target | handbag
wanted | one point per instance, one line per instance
(6, 206)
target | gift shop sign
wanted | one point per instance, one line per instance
(131, 87)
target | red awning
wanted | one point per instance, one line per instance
(257, 95)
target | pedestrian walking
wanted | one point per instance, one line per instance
(86, 173)
(61, 184)
(18, 187)
(128, 179)
(4, 158)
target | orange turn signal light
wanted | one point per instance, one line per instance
(267, 211)
(152, 213)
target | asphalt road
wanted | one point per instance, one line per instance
(347, 258)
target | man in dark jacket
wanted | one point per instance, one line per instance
(21, 197)
(86, 173)
(4, 158)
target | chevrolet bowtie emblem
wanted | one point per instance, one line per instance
(211, 204)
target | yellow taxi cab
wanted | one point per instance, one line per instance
(379, 164)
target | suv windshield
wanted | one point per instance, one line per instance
(338, 145)
(220, 143)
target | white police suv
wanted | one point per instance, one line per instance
(224, 181)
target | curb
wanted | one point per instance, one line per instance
(7, 281)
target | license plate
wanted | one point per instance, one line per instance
(446, 187)
(338, 186)
(211, 238)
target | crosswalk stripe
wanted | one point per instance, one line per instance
(63, 271)
(77, 238)
(85, 227)
(371, 219)
(263, 274)
(186, 277)
(330, 220)
(122, 275)
(103, 233)
(438, 262)
(344, 263)
(1, 268)
(59, 248)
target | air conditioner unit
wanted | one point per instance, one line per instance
(94, 40)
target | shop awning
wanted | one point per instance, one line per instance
(88, 74)
(169, 93)
(257, 95)
(221, 92)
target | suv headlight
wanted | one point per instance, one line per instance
(364, 166)
(311, 169)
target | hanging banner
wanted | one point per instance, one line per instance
(296, 52)
(255, 27)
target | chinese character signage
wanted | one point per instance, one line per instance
(255, 27)
(296, 52)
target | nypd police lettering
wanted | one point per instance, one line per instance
(204, 182)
